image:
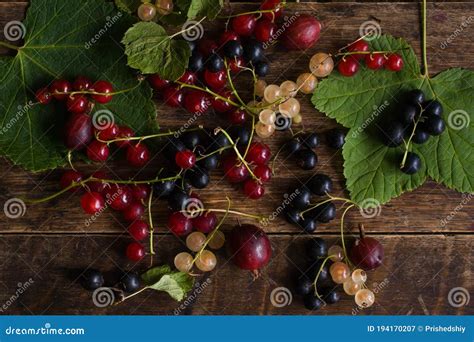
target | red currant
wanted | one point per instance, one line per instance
(235, 171)
(140, 191)
(348, 66)
(264, 30)
(236, 116)
(118, 197)
(157, 83)
(215, 80)
(69, 177)
(205, 223)
(394, 62)
(133, 212)
(221, 106)
(272, 4)
(179, 224)
(236, 64)
(92, 202)
(227, 36)
(60, 86)
(196, 102)
(173, 96)
(263, 172)
(135, 251)
(82, 83)
(104, 88)
(188, 77)
(244, 24)
(78, 131)
(207, 46)
(185, 159)
(253, 189)
(108, 133)
(375, 61)
(77, 104)
(138, 230)
(124, 132)
(98, 186)
(359, 46)
(43, 96)
(97, 151)
(258, 153)
(138, 155)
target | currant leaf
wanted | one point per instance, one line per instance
(161, 278)
(128, 6)
(150, 50)
(202, 8)
(61, 42)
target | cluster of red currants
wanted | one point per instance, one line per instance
(360, 50)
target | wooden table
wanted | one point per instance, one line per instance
(423, 261)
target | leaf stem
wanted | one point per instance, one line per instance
(425, 56)
(188, 28)
(10, 46)
(151, 228)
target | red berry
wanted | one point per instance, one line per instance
(235, 171)
(78, 131)
(97, 151)
(140, 191)
(82, 83)
(236, 116)
(188, 77)
(348, 66)
(221, 106)
(205, 223)
(77, 104)
(302, 33)
(134, 212)
(359, 46)
(215, 80)
(263, 172)
(68, 178)
(253, 189)
(104, 88)
(98, 186)
(173, 96)
(196, 102)
(236, 64)
(179, 224)
(185, 159)
(394, 62)
(157, 83)
(375, 61)
(258, 153)
(118, 197)
(124, 132)
(138, 155)
(109, 132)
(207, 46)
(138, 230)
(60, 86)
(92, 202)
(227, 36)
(43, 96)
(244, 24)
(264, 30)
(135, 251)
(272, 4)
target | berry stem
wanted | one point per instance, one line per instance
(87, 92)
(232, 87)
(188, 28)
(342, 232)
(331, 198)
(425, 56)
(409, 142)
(385, 52)
(151, 228)
(132, 295)
(234, 212)
(281, 5)
(319, 272)
(251, 137)
(145, 137)
(209, 91)
(204, 156)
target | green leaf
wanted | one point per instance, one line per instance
(128, 6)
(151, 50)
(161, 278)
(62, 42)
(360, 102)
(204, 8)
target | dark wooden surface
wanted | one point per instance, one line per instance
(424, 258)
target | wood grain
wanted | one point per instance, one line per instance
(424, 257)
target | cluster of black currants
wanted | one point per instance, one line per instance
(417, 119)
(92, 279)
(315, 283)
(305, 215)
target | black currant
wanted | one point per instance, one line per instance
(433, 107)
(253, 51)
(320, 184)
(308, 224)
(130, 282)
(164, 188)
(209, 163)
(307, 159)
(323, 271)
(292, 215)
(408, 113)
(177, 200)
(241, 133)
(233, 49)
(420, 136)
(302, 199)
(219, 140)
(215, 63)
(191, 139)
(293, 145)
(332, 297)
(412, 164)
(392, 135)
(198, 177)
(196, 62)
(261, 68)
(316, 248)
(336, 138)
(192, 45)
(310, 140)
(311, 302)
(325, 212)
(304, 286)
(173, 145)
(416, 97)
(92, 279)
(434, 125)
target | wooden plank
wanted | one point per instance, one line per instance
(416, 270)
